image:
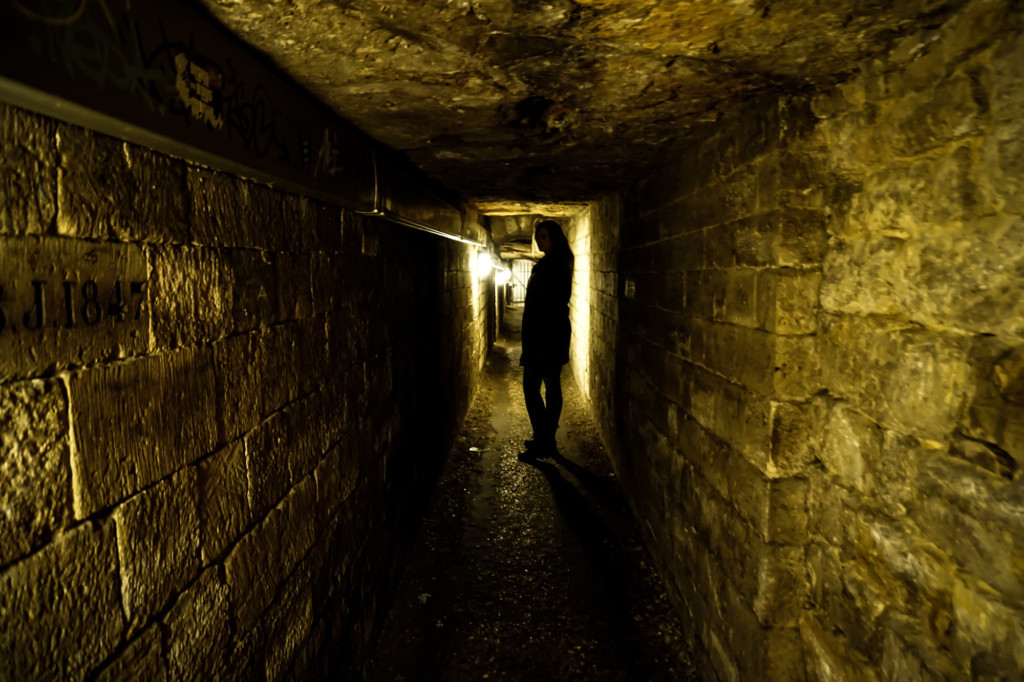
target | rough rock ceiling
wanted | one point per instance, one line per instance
(552, 100)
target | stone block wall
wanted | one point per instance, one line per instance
(720, 271)
(817, 404)
(221, 406)
(915, 558)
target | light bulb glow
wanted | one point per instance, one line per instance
(502, 276)
(482, 265)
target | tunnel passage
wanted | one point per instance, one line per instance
(798, 325)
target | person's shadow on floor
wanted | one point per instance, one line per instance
(603, 551)
(606, 490)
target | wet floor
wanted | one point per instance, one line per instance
(528, 570)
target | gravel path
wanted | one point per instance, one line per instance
(528, 570)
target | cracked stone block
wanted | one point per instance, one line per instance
(193, 295)
(244, 364)
(198, 627)
(287, 624)
(138, 421)
(35, 482)
(252, 571)
(109, 189)
(61, 607)
(142, 659)
(233, 212)
(158, 545)
(28, 184)
(224, 510)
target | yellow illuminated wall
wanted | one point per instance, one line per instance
(579, 238)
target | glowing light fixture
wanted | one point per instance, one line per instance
(482, 265)
(502, 276)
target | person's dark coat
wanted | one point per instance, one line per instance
(546, 329)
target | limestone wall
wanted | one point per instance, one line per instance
(718, 372)
(916, 554)
(220, 407)
(594, 307)
(820, 411)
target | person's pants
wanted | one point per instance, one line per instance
(544, 413)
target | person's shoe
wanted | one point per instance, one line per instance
(540, 448)
(528, 456)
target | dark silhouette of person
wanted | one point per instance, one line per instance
(546, 333)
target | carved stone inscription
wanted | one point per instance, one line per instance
(66, 302)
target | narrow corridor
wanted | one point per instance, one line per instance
(253, 263)
(528, 570)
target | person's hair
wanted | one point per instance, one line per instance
(559, 243)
